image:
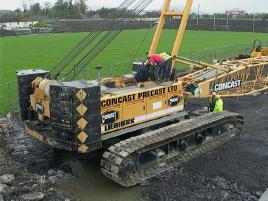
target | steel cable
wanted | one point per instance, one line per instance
(138, 8)
(84, 43)
(101, 45)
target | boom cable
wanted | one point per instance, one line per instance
(57, 69)
(137, 9)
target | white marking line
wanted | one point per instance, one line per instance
(264, 196)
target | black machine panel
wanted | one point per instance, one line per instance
(75, 115)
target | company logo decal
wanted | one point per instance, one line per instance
(119, 124)
(173, 101)
(109, 117)
(227, 85)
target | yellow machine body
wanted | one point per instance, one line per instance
(141, 105)
(126, 107)
(258, 53)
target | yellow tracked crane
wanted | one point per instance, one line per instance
(142, 131)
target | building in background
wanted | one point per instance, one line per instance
(235, 13)
(22, 28)
(18, 25)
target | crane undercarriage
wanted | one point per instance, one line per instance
(139, 158)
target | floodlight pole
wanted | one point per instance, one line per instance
(198, 14)
(253, 23)
(214, 21)
(254, 15)
(227, 21)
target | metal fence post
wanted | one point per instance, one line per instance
(9, 96)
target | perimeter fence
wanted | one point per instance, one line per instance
(206, 24)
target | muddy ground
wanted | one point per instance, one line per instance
(236, 171)
(25, 167)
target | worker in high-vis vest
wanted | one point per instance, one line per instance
(212, 102)
(167, 65)
(218, 104)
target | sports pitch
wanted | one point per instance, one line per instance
(44, 51)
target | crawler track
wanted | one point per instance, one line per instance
(122, 161)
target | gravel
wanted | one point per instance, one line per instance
(7, 179)
(33, 196)
(235, 171)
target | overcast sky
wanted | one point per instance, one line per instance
(205, 5)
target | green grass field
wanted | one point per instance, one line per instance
(43, 51)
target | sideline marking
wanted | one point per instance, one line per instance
(264, 196)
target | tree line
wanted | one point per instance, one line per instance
(61, 9)
(68, 9)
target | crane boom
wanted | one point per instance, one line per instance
(166, 12)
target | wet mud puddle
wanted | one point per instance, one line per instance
(90, 185)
